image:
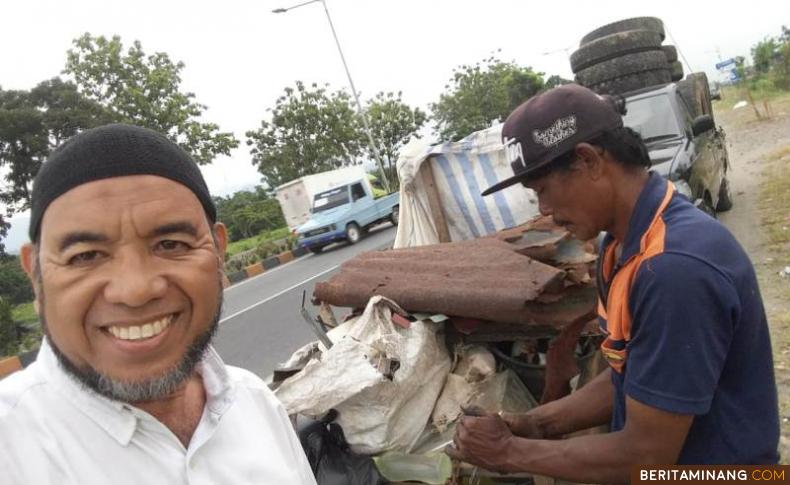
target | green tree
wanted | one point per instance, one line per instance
(311, 130)
(480, 93)
(15, 288)
(32, 123)
(145, 90)
(9, 335)
(782, 66)
(393, 123)
(247, 213)
(740, 67)
(555, 80)
(764, 53)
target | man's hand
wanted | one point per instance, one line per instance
(483, 440)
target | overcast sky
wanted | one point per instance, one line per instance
(239, 56)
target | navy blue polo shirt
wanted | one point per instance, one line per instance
(699, 336)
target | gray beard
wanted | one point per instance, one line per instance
(150, 389)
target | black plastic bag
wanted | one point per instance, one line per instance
(330, 457)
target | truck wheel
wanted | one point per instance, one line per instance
(395, 216)
(688, 91)
(671, 52)
(353, 233)
(632, 82)
(636, 23)
(614, 45)
(704, 88)
(704, 206)
(696, 93)
(725, 197)
(316, 249)
(622, 66)
(677, 70)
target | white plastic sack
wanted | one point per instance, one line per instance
(377, 413)
(475, 364)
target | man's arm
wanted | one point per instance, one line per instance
(589, 406)
(650, 436)
(682, 311)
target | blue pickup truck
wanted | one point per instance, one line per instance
(344, 213)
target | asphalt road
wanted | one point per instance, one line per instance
(261, 325)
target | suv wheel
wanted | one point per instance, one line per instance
(704, 206)
(353, 233)
(725, 197)
(395, 216)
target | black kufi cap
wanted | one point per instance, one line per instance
(114, 151)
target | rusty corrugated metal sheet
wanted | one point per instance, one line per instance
(489, 278)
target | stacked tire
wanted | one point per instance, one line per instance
(695, 91)
(625, 56)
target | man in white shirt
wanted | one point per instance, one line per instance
(126, 262)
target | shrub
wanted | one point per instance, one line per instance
(9, 335)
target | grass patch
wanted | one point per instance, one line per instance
(24, 313)
(775, 101)
(255, 241)
(774, 201)
(729, 96)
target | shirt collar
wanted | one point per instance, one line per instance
(120, 420)
(220, 390)
(644, 211)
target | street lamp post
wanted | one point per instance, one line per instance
(362, 115)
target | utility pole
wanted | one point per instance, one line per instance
(371, 141)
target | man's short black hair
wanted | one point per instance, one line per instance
(623, 144)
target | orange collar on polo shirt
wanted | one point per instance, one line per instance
(615, 277)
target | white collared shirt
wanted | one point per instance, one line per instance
(53, 431)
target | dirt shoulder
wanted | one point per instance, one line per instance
(760, 219)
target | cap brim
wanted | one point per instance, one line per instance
(503, 184)
(525, 174)
(515, 179)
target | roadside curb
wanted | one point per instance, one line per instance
(9, 365)
(265, 265)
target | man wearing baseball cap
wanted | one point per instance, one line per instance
(690, 377)
(126, 262)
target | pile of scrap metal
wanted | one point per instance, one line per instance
(533, 280)
(535, 274)
(444, 326)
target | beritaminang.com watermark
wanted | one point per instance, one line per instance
(711, 474)
(663, 475)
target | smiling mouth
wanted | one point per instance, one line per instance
(140, 332)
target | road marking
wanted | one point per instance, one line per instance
(266, 272)
(243, 282)
(279, 293)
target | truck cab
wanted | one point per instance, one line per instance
(344, 213)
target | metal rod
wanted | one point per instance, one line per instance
(371, 141)
(283, 10)
(362, 114)
(317, 329)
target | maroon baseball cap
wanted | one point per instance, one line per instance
(551, 124)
